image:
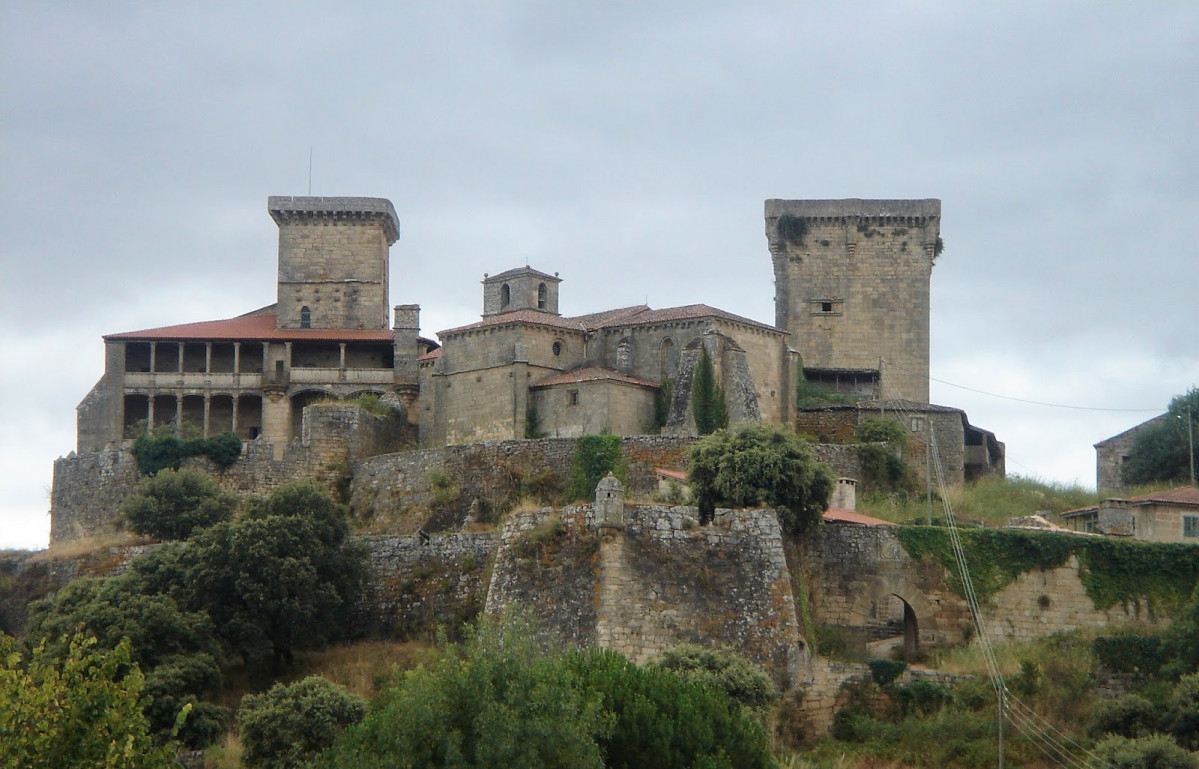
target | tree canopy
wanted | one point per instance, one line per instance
(173, 503)
(82, 710)
(707, 397)
(1162, 450)
(760, 464)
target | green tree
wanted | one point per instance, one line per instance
(502, 699)
(760, 464)
(175, 649)
(595, 457)
(1156, 752)
(664, 720)
(1162, 450)
(1181, 718)
(743, 681)
(1129, 716)
(707, 397)
(172, 504)
(283, 577)
(79, 711)
(285, 727)
(884, 441)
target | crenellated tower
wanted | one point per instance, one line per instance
(333, 255)
(852, 286)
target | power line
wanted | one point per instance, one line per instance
(1025, 400)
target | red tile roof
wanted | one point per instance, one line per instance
(637, 315)
(677, 475)
(1183, 495)
(837, 515)
(592, 374)
(255, 326)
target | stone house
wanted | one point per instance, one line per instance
(1111, 453)
(1160, 516)
(966, 452)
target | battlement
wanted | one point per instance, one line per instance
(286, 209)
(885, 211)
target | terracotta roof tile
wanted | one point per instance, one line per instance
(649, 316)
(837, 515)
(592, 374)
(529, 317)
(255, 326)
(1183, 495)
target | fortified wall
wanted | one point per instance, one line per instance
(90, 487)
(861, 577)
(356, 455)
(644, 578)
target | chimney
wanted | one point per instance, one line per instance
(845, 494)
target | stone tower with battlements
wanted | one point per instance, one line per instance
(333, 255)
(852, 286)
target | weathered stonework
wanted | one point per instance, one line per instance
(659, 581)
(852, 285)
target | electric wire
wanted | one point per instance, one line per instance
(1055, 745)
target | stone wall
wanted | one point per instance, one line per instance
(404, 488)
(417, 585)
(89, 488)
(660, 581)
(860, 577)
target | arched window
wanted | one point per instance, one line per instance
(305, 317)
(505, 296)
(542, 296)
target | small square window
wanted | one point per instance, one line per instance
(917, 424)
(572, 398)
(826, 306)
(1190, 525)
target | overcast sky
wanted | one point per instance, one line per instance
(628, 147)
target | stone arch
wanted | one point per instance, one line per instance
(305, 317)
(542, 296)
(505, 296)
(298, 402)
(137, 414)
(911, 630)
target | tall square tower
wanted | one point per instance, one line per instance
(333, 255)
(852, 286)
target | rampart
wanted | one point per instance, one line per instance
(90, 488)
(437, 489)
(660, 580)
(861, 577)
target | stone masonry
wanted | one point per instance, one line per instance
(852, 285)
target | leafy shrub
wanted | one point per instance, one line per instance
(1127, 716)
(172, 504)
(760, 464)
(885, 672)
(855, 724)
(1156, 752)
(77, 711)
(1181, 718)
(663, 720)
(1129, 653)
(740, 679)
(921, 697)
(595, 457)
(290, 723)
(155, 451)
(502, 699)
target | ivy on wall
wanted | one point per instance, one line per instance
(1113, 572)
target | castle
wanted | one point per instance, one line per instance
(852, 302)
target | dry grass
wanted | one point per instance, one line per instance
(989, 501)
(226, 754)
(364, 666)
(94, 544)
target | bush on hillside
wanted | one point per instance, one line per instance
(172, 504)
(285, 727)
(759, 464)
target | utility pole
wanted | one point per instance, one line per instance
(1191, 441)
